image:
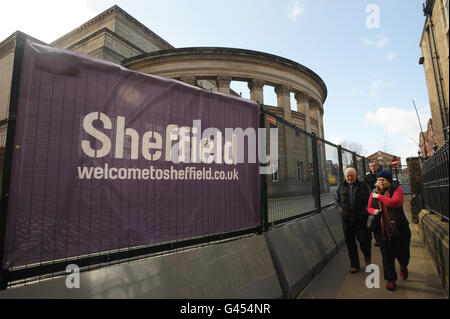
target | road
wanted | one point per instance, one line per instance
(285, 207)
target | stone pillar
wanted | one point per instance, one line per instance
(284, 100)
(223, 83)
(256, 90)
(189, 79)
(319, 119)
(303, 107)
(316, 113)
(415, 183)
(313, 110)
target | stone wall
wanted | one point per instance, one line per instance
(434, 233)
(415, 182)
(441, 34)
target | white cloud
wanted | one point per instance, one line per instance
(390, 56)
(401, 126)
(379, 42)
(45, 20)
(294, 11)
(374, 86)
(334, 139)
(396, 120)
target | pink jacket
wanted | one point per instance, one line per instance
(395, 201)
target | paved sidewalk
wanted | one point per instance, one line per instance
(335, 282)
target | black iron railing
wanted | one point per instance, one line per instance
(435, 182)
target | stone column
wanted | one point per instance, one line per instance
(256, 90)
(415, 182)
(315, 113)
(189, 79)
(284, 100)
(223, 83)
(303, 107)
(319, 119)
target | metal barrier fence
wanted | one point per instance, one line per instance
(435, 182)
(309, 171)
(291, 187)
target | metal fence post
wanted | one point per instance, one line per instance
(10, 135)
(316, 187)
(341, 170)
(364, 165)
(355, 162)
(264, 206)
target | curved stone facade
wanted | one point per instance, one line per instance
(115, 36)
(215, 68)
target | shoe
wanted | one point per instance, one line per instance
(367, 260)
(377, 244)
(354, 270)
(404, 273)
(390, 285)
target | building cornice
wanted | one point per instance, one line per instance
(17, 38)
(103, 15)
(382, 154)
(105, 31)
(234, 52)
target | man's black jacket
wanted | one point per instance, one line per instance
(358, 211)
(371, 179)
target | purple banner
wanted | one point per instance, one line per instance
(107, 158)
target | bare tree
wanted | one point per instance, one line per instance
(385, 144)
(354, 147)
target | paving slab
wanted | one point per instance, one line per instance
(335, 281)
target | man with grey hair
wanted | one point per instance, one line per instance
(351, 199)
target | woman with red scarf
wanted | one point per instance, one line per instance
(392, 231)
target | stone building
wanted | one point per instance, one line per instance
(434, 44)
(427, 140)
(6, 72)
(116, 36)
(7, 48)
(384, 160)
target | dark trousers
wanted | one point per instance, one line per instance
(355, 231)
(397, 247)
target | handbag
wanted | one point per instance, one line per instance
(372, 222)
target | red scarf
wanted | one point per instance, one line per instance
(388, 223)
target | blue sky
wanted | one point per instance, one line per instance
(372, 74)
